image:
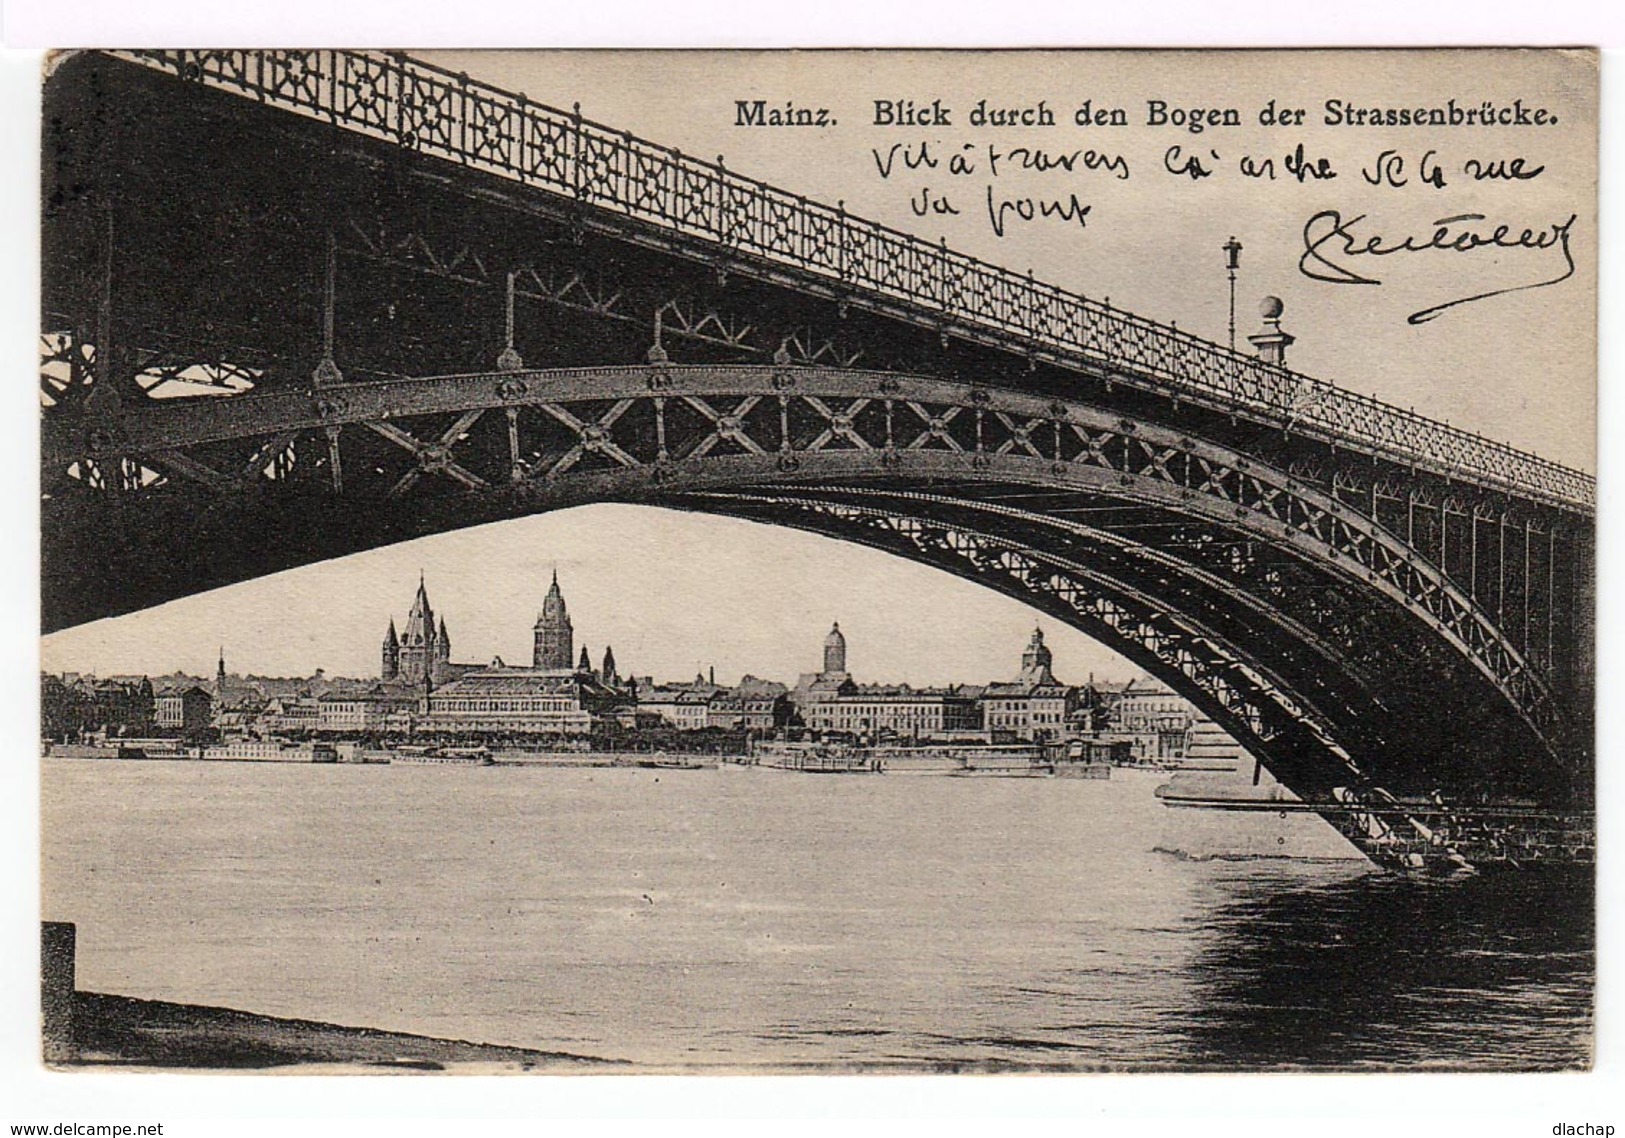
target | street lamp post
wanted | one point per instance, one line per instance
(1232, 261)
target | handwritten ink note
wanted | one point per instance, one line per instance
(1367, 185)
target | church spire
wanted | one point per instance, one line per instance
(418, 649)
(554, 646)
(420, 621)
(390, 655)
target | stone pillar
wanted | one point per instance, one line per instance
(58, 942)
(1272, 343)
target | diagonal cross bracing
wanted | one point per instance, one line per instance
(750, 227)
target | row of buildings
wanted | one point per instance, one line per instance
(421, 691)
(1150, 720)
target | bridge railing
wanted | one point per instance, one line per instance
(421, 107)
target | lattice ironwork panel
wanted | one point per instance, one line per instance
(425, 109)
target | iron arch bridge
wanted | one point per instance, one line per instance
(298, 305)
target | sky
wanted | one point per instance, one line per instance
(675, 593)
(1519, 368)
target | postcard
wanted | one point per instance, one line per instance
(818, 561)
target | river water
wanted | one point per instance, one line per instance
(754, 918)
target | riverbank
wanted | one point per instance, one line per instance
(121, 1031)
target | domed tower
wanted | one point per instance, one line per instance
(609, 675)
(389, 666)
(1037, 660)
(554, 638)
(834, 651)
(585, 663)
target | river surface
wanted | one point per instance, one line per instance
(755, 918)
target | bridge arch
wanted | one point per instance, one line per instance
(1407, 598)
(1314, 634)
(1079, 448)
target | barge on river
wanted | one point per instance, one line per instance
(820, 758)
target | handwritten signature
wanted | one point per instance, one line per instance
(1327, 235)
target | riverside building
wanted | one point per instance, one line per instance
(503, 700)
(183, 708)
(1035, 706)
(831, 701)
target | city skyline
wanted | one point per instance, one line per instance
(762, 611)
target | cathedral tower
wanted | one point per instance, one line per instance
(417, 652)
(555, 639)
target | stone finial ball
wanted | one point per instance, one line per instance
(1271, 308)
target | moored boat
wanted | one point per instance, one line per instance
(1093, 770)
(443, 756)
(663, 762)
(820, 758)
(1243, 813)
(1223, 805)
